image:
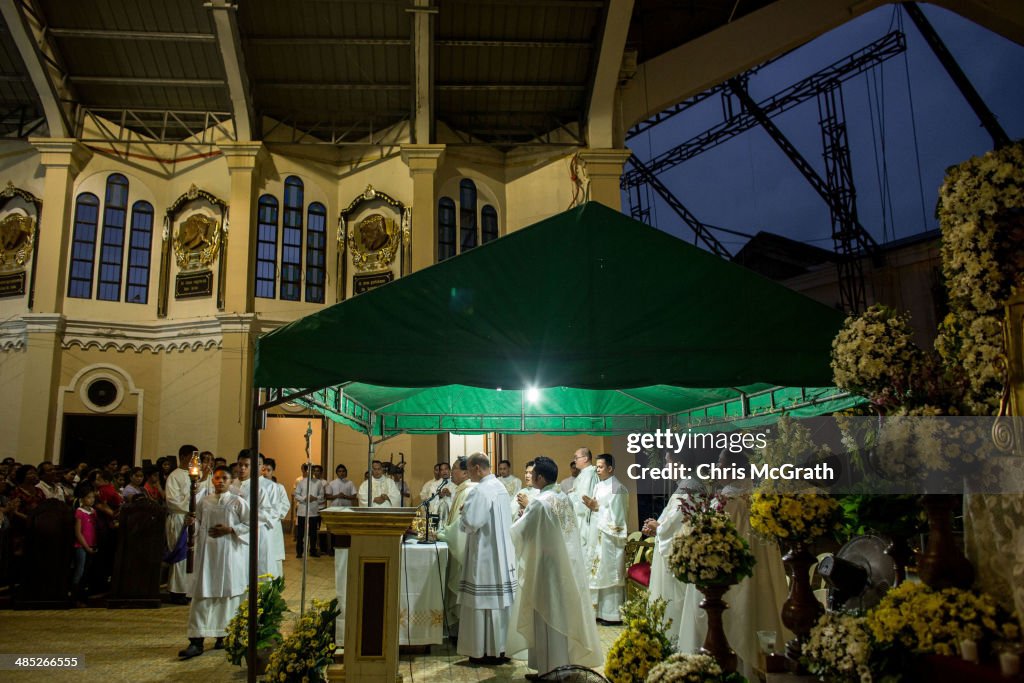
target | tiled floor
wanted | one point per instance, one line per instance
(142, 645)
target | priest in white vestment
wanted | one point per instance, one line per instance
(567, 484)
(582, 488)
(755, 604)
(605, 554)
(664, 583)
(553, 617)
(510, 481)
(221, 567)
(455, 537)
(242, 488)
(385, 492)
(176, 492)
(488, 586)
(525, 495)
(430, 485)
(281, 506)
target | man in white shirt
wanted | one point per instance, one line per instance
(429, 486)
(341, 492)
(488, 587)
(309, 494)
(526, 494)
(49, 482)
(567, 483)
(176, 491)
(385, 493)
(604, 553)
(510, 481)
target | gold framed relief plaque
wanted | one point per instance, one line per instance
(197, 242)
(374, 233)
(17, 239)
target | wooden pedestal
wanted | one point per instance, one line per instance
(374, 567)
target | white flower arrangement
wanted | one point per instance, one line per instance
(980, 206)
(683, 668)
(839, 649)
(709, 551)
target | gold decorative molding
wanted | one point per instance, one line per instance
(197, 242)
(17, 239)
(377, 239)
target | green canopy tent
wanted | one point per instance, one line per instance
(587, 322)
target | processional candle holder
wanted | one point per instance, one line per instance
(194, 469)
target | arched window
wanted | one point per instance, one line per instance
(266, 247)
(445, 229)
(316, 252)
(291, 240)
(115, 209)
(467, 215)
(83, 246)
(139, 246)
(488, 224)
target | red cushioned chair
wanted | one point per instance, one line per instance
(638, 564)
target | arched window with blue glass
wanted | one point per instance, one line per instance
(83, 246)
(140, 244)
(316, 253)
(445, 228)
(467, 215)
(488, 224)
(291, 240)
(115, 210)
(266, 247)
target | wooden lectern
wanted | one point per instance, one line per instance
(373, 537)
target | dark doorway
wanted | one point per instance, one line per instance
(98, 439)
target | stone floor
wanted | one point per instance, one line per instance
(142, 645)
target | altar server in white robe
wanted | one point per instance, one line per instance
(755, 604)
(455, 537)
(664, 583)
(281, 506)
(609, 506)
(385, 492)
(511, 482)
(242, 488)
(552, 616)
(221, 564)
(488, 586)
(341, 492)
(526, 494)
(176, 491)
(430, 485)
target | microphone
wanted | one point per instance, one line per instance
(444, 482)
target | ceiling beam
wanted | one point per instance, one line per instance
(144, 81)
(41, 61)
(524, 87)
(423, 71)
(288, 41)
(105, 34)
(529, 44)
(604, 93)
(229, 43)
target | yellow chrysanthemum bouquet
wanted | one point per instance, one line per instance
(304, 655)
(270, 606)
(642, 644)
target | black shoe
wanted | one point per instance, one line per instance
(478, 660)
(191, 651)
(179, 599)
(532, 677)
(314, 554)
(219, 645)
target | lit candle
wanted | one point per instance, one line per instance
(969, 650)
(1009, 662)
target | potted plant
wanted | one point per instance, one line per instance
(270, 607)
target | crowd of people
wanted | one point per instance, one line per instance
(534, 563)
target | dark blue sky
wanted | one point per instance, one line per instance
(747, 184)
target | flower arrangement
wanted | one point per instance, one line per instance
(709, 551)
(303, 655)
(790, 443)
(979, 210)
(642, 644)
(874, 355)
(270, 607)
(683, 668)
(839, 649)
(914, 617)
(794, 518)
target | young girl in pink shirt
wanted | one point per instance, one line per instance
(85, 540)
